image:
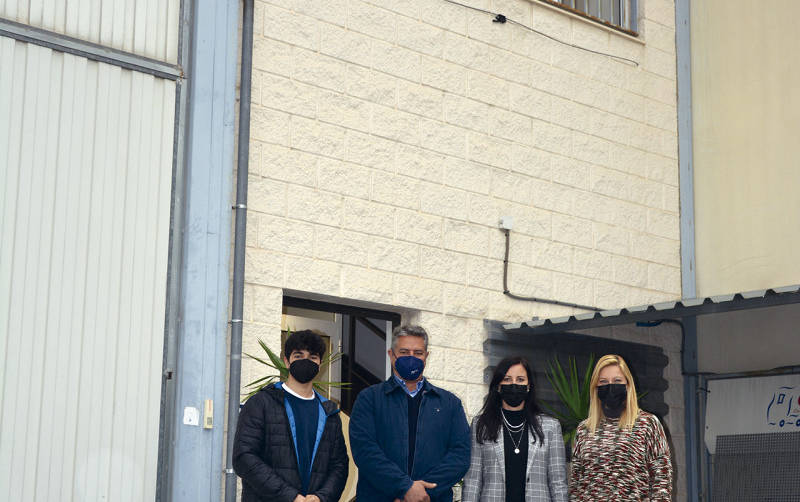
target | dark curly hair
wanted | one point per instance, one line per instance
(304, 340)
(489, 421)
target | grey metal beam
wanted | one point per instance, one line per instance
(89, 50)
(694, 443)
(786, 370)
(652, 314)
(196, 468)
(685, 156)
(167, 421)
(705, 475)
(692, 419)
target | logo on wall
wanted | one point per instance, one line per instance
(784, 408)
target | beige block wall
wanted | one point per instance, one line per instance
(746, 114)
(389, 137)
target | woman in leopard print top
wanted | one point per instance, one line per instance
(621, 452)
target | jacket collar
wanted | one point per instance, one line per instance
(499, 449)
(532, 447)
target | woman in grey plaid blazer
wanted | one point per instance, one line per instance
(517, 452)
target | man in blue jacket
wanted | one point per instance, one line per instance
(409, 438)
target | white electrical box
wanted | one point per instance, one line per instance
(191, 416)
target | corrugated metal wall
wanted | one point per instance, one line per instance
(85, 172)
(144, 27)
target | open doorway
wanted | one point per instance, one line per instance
(361, 335)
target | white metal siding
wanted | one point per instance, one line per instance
(144, 27)
(85, 173)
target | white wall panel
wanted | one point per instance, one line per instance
(144, 27)
(85, 173)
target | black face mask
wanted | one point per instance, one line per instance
(513, 394)
(613, 397)
(304, 370)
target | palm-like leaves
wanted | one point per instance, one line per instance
(573, 391)
(275, 362)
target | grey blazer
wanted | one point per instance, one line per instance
(546, 479)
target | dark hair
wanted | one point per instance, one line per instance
(304, 340)
(489, 419)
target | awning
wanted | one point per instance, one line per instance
(677, 309)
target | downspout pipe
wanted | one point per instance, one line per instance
(237, 305)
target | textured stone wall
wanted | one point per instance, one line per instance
(390, 136)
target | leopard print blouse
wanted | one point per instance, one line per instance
(621, 464)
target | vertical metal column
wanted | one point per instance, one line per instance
(694, 444)
(175, 265)
(196, 463)
(685, 145)
(237, 305)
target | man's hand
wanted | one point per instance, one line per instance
(417, 492)
(312, 498)
(300, 498)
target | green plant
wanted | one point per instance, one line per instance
(573, 391)
(275, 362)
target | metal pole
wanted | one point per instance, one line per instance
(694, 441)
(692, 413)
(683, 48)
(174, 267)
(243, 155)
(166, 436)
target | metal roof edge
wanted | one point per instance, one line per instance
(685, 307)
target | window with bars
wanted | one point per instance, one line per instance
(618, 14)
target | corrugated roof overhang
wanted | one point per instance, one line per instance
(686, 307)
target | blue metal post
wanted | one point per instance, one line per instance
(692, 417)
(685, 160)
(688, 271)
(196, 457)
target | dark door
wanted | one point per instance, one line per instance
(363, 355)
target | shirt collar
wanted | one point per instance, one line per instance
(291, 391)
(402, 383)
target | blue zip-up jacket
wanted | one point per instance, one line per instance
(265, 450)
(379, 442)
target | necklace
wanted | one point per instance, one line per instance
(513, 429)
(515, 443)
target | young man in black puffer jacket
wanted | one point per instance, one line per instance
(289, 445)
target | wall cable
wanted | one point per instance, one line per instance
(500, 18)
(509, 294)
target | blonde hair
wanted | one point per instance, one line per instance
(631, 411)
